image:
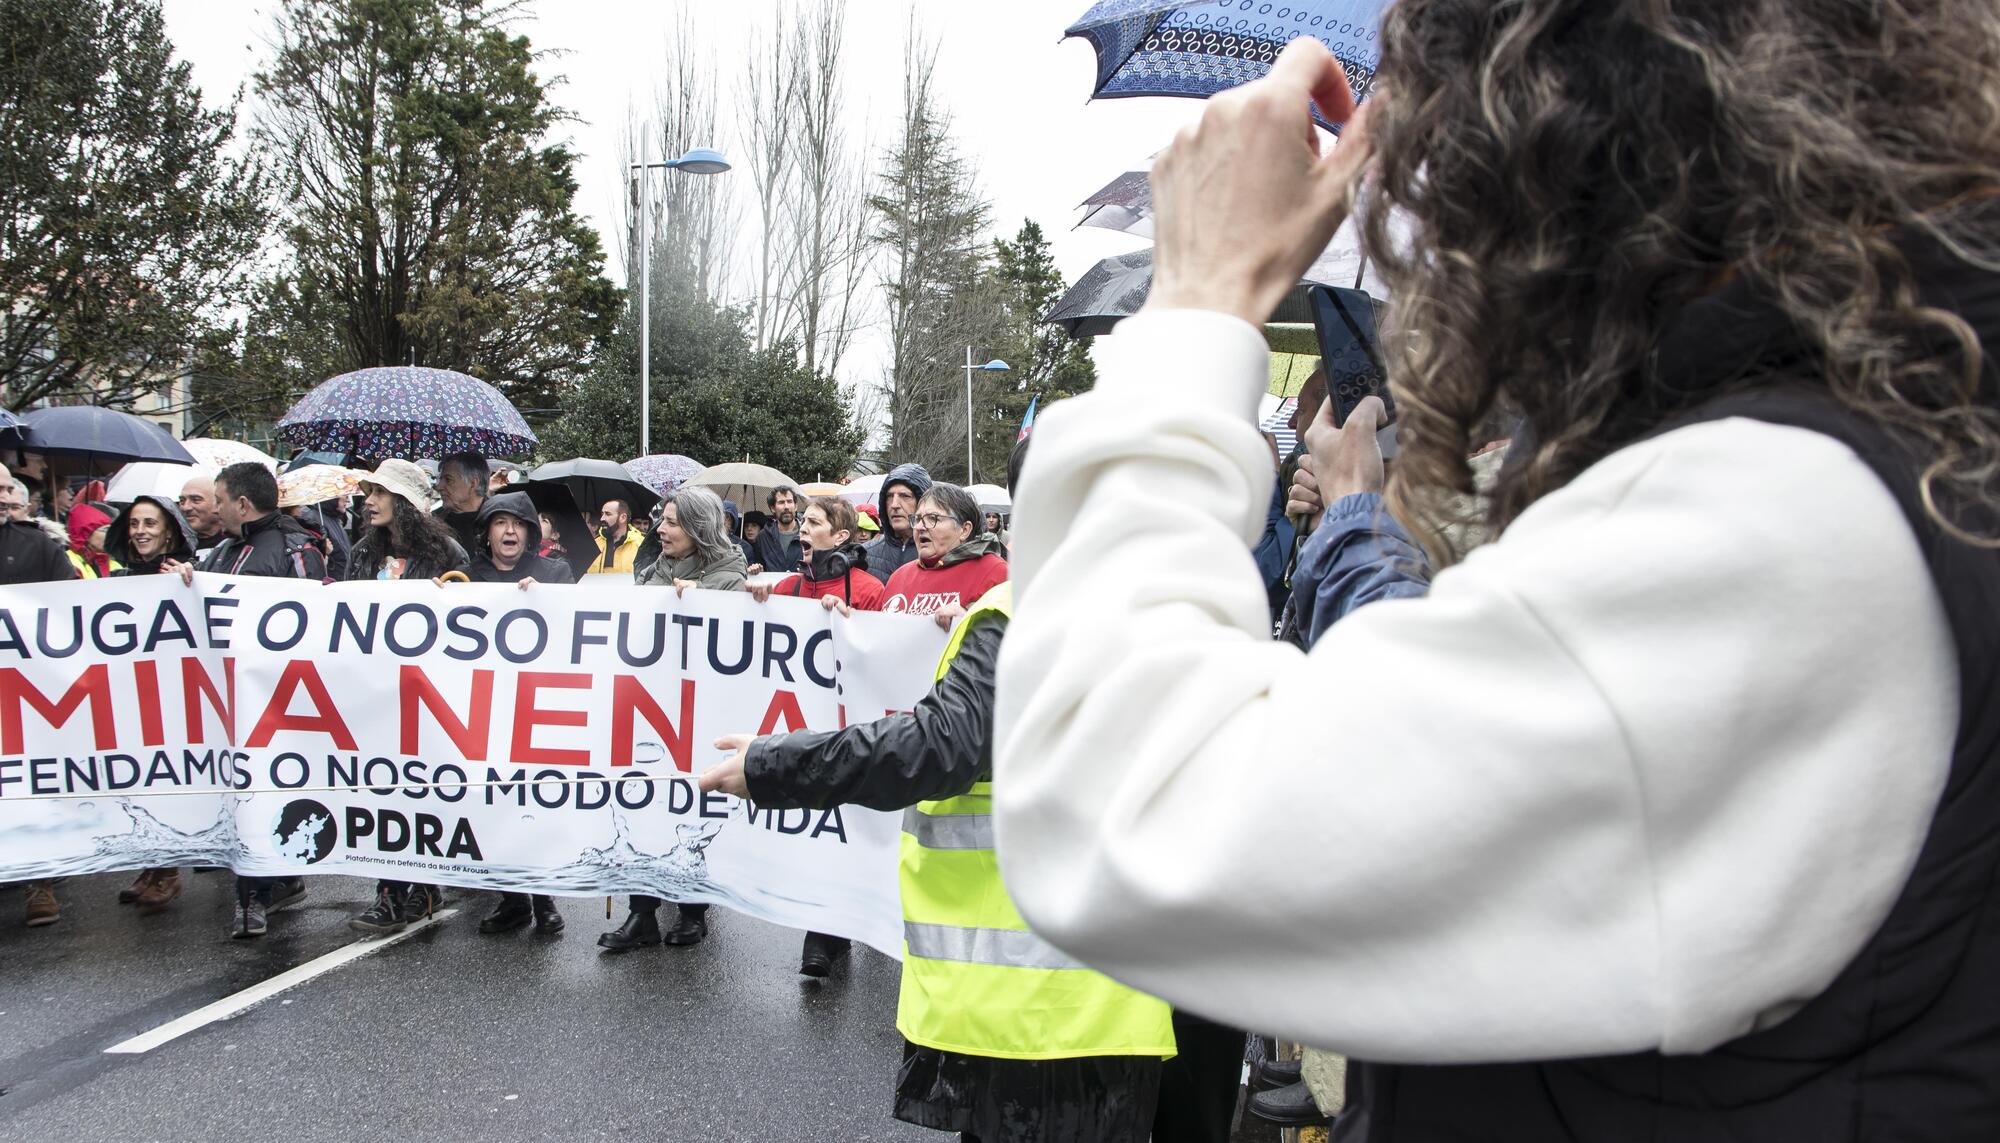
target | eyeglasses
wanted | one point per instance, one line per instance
(934, 520)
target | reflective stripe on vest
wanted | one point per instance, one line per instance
(949, 831)
(975, 980)
(1009, 948)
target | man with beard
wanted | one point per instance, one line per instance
(617, 541)
(777, 546)
(512, 531)
(897, 545)
(461, 484)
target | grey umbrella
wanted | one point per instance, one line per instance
(1115, 288)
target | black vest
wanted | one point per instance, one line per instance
(1903, 1047)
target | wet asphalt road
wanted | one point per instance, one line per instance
(449, 1035)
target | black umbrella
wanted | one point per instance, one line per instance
(592, 482)
(579, 541)
(1115, 288)
(97, 434)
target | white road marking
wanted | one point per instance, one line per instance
(258, 993)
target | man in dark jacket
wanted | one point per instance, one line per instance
(777, 545)
(27, 556)
(262, 541)
(897, 545)
(462, 483)
(507, 538)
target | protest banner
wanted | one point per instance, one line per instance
(472, 735)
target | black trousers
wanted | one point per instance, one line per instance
(1198, 1087)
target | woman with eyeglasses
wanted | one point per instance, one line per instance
(956, 563)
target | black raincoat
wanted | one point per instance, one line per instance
(939, 750)
(531, 564)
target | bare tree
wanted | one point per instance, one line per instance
(693, 220)
(826, 209)
(769, 94)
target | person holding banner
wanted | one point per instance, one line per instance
(148, 536)
(510, 532)
(830, 557)
(955, 565)
(27, 556)
(1005, 1038)
(403, 542)
(696, 551)
(260, 541)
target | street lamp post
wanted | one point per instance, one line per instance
(994, 366)
(698, 161)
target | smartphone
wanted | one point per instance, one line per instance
(1350, 350)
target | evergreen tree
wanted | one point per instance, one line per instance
(127, 229)
(929, 223)
(424, 209)
(1046, 362)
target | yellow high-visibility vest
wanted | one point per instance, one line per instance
(976, 980)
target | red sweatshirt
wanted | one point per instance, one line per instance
(862, 591)
(921, 590)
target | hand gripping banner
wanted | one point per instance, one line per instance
(473, 735)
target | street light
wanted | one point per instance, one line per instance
(697, 161)
(994, 366)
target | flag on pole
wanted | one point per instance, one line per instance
(1028, 421)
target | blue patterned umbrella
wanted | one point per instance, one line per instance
(663, 472)
(406, 411)
(1196, 48)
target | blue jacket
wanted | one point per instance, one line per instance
(1358, 555)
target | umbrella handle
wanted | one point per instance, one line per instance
(455, 577)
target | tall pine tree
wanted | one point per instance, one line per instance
(1047, 363)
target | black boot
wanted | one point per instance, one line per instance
(690, 926)
(1274, 1074)
(816, 956)
(513, 912)
(640, 930)
(547, 920)
(1290, 1106)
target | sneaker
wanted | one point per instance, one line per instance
(419, 902)
(1288, 1106)
(250, 920)
(285, 893)
(384, 916)
(42, 907)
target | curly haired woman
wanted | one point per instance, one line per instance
(1672, 813)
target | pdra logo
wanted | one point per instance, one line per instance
(304, 832)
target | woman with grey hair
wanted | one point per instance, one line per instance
(696, 551)
(695, 546)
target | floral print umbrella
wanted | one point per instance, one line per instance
(406, 411)
(663, 472)
(216, 453)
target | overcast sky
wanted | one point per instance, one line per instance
(1017, 93)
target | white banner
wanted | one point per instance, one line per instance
(475, 735)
